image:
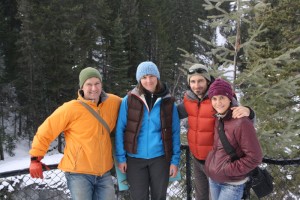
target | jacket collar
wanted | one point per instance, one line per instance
(103, 97)
(164, 93)
(191, 95)
(226, 116)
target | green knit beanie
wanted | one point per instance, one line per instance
(87, 73)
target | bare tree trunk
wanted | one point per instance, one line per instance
(1, 147)
(237, 42)
(175, 85)
(20, 125)
(2, 134)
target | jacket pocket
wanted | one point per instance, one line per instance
(77, 157)
(72, 157)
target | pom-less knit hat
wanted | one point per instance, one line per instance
(146, 68)
(198, 69)
(87, 73)
(220, 87)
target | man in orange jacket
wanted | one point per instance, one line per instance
(87, 156)
(198, 109)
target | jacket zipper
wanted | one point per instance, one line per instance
(100, 149)
(150, 108)
(151, 102)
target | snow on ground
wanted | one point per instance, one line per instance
(21, 160)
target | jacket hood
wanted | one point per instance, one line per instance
(162, 93)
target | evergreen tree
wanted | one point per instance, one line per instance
(118, 78)
(196, 28)
(269, 79)
(157, 24)
(274, 71)
(9, 27)
(162, 52)
(154, 30)
(129, 12)
(58, 39)
(262, 45)
(124, 45)
(27, 90)
(270, 71)
(271, 83)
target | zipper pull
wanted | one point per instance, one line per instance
(151, 102)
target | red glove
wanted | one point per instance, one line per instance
(36, 167)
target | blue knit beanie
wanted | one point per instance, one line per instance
(146, 68)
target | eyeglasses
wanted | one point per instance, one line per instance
(197, 70)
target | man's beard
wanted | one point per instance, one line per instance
(200, 92)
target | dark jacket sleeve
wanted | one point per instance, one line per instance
(181, 111)
(252, 114)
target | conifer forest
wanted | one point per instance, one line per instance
(253, 43)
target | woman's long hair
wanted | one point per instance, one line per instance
(142, 90)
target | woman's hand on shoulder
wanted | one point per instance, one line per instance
(240, 111)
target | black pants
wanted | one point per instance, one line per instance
(201, 180)
(145, 173)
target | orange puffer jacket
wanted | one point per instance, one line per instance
(88, 147)
(201, 125)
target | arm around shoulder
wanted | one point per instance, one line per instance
(181, 111)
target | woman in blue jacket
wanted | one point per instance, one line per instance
(148, 135)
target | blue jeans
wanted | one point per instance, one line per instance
(90, 187)
(225, 191)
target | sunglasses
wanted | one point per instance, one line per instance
(197, 70)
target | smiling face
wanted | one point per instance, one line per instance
(92, 88)
(149, 82)
(220, 103)
(198, 85)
